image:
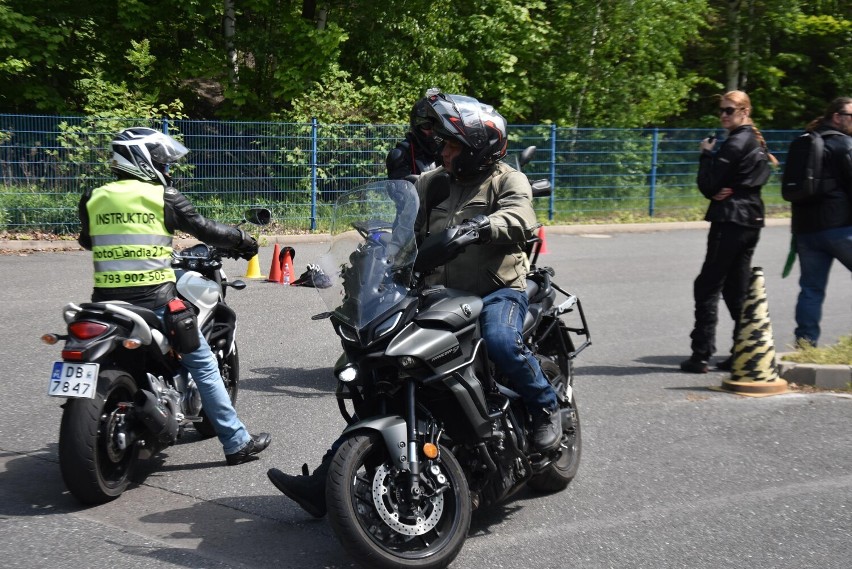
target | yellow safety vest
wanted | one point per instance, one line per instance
(130, 243)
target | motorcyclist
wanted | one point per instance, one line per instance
(418, 152)
(128, 224)
(495, 199)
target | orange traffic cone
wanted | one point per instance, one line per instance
(542, 248)
(287, 267)
(275, 269)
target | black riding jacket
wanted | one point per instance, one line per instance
(833, 207)
(742, 165)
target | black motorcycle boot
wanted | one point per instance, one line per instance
(695, 364)
(307, 490)
(248, 453)
(547, 430)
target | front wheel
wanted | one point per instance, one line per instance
(95, 467)
(377, 521)
(229, 369)
(561, 471)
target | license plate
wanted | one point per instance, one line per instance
(73, 380)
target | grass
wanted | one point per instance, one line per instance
(837, 354)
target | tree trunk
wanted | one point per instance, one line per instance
(229, 29)
(732, 71)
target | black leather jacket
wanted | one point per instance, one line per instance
(180, 215)
(833, 207)
(741, 164)
(408, 158)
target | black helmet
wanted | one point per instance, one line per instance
(418, 119)
(145, 153)
(477, 126)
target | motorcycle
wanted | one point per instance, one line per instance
(434, 431)
(126, 395)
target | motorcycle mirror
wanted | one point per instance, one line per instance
(526, 156)
(258, 216)
(541, 188)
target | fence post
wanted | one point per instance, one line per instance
(313, 173)
(166, 126)
(654, 142)
(551, 206)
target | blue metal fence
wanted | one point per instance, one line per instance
(298, 169)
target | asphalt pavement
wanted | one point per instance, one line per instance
(674, 474)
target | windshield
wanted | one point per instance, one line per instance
(372, 251)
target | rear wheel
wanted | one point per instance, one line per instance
(377, 522)
(563, 469)
(229, 369)
(95, 467)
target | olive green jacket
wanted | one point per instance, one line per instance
(504, 195)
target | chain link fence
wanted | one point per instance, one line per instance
(297, 170)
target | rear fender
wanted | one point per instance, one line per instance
(394, 432)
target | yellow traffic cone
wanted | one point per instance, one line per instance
(753, 371)
(253, 269)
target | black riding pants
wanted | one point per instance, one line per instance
(726, 271)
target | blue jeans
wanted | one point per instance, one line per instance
(816, 253)
(501, 323)
(215, 400)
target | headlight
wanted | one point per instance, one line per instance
(347, 374)
(347, 333)
(388, 325)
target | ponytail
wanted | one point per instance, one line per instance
(762, 141)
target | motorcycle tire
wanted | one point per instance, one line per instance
(229, 369)
(95, 470)
(366, 511)
(560, 473)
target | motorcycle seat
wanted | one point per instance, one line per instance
(532, 288)
(147, 315)
(531, 319)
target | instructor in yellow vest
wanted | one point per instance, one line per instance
(128, 224)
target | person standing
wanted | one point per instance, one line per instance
(130, 222)
(731, 178)
(822, 226)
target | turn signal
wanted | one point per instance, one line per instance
(131, 343)
(50, 339)
(430, 450)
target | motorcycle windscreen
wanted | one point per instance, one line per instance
(371, 256)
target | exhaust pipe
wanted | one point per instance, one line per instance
(158, 417)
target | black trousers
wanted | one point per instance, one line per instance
(726, 271)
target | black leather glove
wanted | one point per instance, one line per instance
(247, 245)
(481, 224)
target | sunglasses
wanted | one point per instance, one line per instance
(728, 110)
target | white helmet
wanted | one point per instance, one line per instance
(145, 153)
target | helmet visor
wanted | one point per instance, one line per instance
(166, 150)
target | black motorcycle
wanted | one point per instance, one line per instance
(127, 396)
(433, 432)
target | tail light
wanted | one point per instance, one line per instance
(86, 330)
(72, 355)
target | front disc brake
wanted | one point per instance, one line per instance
(386, 502)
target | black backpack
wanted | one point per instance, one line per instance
(802, 178)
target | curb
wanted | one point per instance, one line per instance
(819, 375)
(26, 245)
